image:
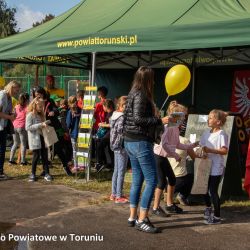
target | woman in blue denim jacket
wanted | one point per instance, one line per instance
(140, 119)
(11, 89)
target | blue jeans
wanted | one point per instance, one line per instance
(20, 136)
(143, 167)
(121, 160)
(73, 142)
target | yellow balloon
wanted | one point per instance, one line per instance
(177, 79)
(2, 82)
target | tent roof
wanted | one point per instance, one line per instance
(135, 25)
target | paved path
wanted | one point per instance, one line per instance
(30, 209)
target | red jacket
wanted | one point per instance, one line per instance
(99, 115)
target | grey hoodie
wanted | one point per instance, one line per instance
(116, 131)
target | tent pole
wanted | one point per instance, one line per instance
(37, 76)
(193, 79)
(44, 73)
(93, 71)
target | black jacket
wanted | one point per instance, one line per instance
(55, 123)
(139, 118)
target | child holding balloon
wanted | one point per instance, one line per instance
(169, 142)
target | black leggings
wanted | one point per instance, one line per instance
(164, 169)
(212, 194)
(101, 144)
(184, 185)
(60, 149)
(44, 155)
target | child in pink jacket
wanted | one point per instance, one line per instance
(169, 143)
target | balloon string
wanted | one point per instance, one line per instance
(164, 103)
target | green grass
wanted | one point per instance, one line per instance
(230, 203)
(100, 183)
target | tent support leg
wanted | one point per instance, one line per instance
(93, 71)
(44, 73)
(92, 74)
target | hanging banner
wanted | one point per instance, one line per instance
(240, 101)
(240, 104)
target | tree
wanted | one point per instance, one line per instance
(8, 22)
(46, 19)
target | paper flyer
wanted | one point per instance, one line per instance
(86, 121)
(89, 101)
(83, 140)
(82, 161)
(192, 138)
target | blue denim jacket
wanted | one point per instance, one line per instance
(5, 107)
(72, 121)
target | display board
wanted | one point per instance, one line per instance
(231, 183)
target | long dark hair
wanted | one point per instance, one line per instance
(144, 81)
(41, 91)
(23, 99)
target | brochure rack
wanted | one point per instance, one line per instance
(83, 150)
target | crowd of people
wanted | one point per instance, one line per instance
(26, 120)
(129, 129)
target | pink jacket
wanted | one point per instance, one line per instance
(170, 142)
(19, 122)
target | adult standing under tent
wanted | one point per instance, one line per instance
(6, 117)
(140, 119)
(50, 87)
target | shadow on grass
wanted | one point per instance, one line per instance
(105, 175)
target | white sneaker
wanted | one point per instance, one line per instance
(32, 178)
(207, 213)
(47, 177)
(3, 177)
(212, 221)
(183, 201)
